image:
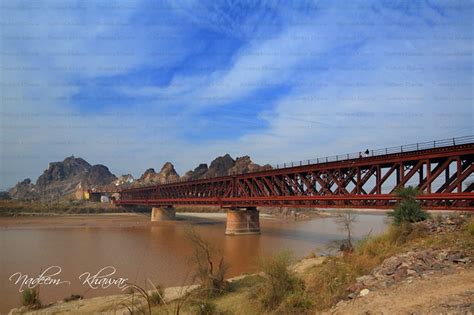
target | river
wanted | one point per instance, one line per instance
(140, 250)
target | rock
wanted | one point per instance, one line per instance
(70, 168)
(24, 190)
(220, 166)
(454, 256)
(412, 264)
(462, 260)
(5, 195)
(99, 175)
(124, 180)
(356, 287)
(197, 173)
(364, 292)
(400, 273)
(225, 165)
(64, 179)
(245, 165)
(166, 174)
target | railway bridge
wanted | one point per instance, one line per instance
(442, 170)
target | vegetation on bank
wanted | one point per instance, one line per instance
(16, 208)
(408, 210)
(277, 289)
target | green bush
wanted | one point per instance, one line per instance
(204, 307)
(30, 298)
(408, 210)
(156, 297)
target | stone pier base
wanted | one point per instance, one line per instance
(242, 221)
(163, 213)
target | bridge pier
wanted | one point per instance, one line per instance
(242, 221)
(163, 213)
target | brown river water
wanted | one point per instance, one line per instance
(140, 250)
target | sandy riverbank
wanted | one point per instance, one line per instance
(115, 304)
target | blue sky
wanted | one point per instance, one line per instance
(135, 84)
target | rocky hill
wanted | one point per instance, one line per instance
(24, 190)
(150, 177)
(226, 165)
(69, 178)
(63, 179)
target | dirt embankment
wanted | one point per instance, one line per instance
(437, 294)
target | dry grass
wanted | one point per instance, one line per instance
(14, 207)
(328, 282)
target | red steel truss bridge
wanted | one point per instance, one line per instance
(442, 170)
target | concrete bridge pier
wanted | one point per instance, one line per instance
(163, 213)
(242, 221)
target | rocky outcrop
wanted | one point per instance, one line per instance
(63, 179)
(245, 165)
(220, 166)
(148, 176)
(60, 171)
(74, 175)
(410, 265)
(99, 175)
(166, 174)
(24, 190)
(4, 195)
(197, 173)
(124, 180)
(226, 165)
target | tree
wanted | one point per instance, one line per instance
(408, 209)
(346, 222)
(210, 272)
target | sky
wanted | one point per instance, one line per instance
(133, 84)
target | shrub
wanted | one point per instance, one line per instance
(210, 272)
(401, 234)
(346, 221)
(408, 210)
(278, 282)
(30, 298)
(204, 307)
(470, 227)
(295, 303)
(156, 297)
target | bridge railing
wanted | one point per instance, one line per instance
(377, 152)
(383, 151)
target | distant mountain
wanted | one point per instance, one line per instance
(63, 179)
(150, 177)
(69, 178)
(226, 165)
